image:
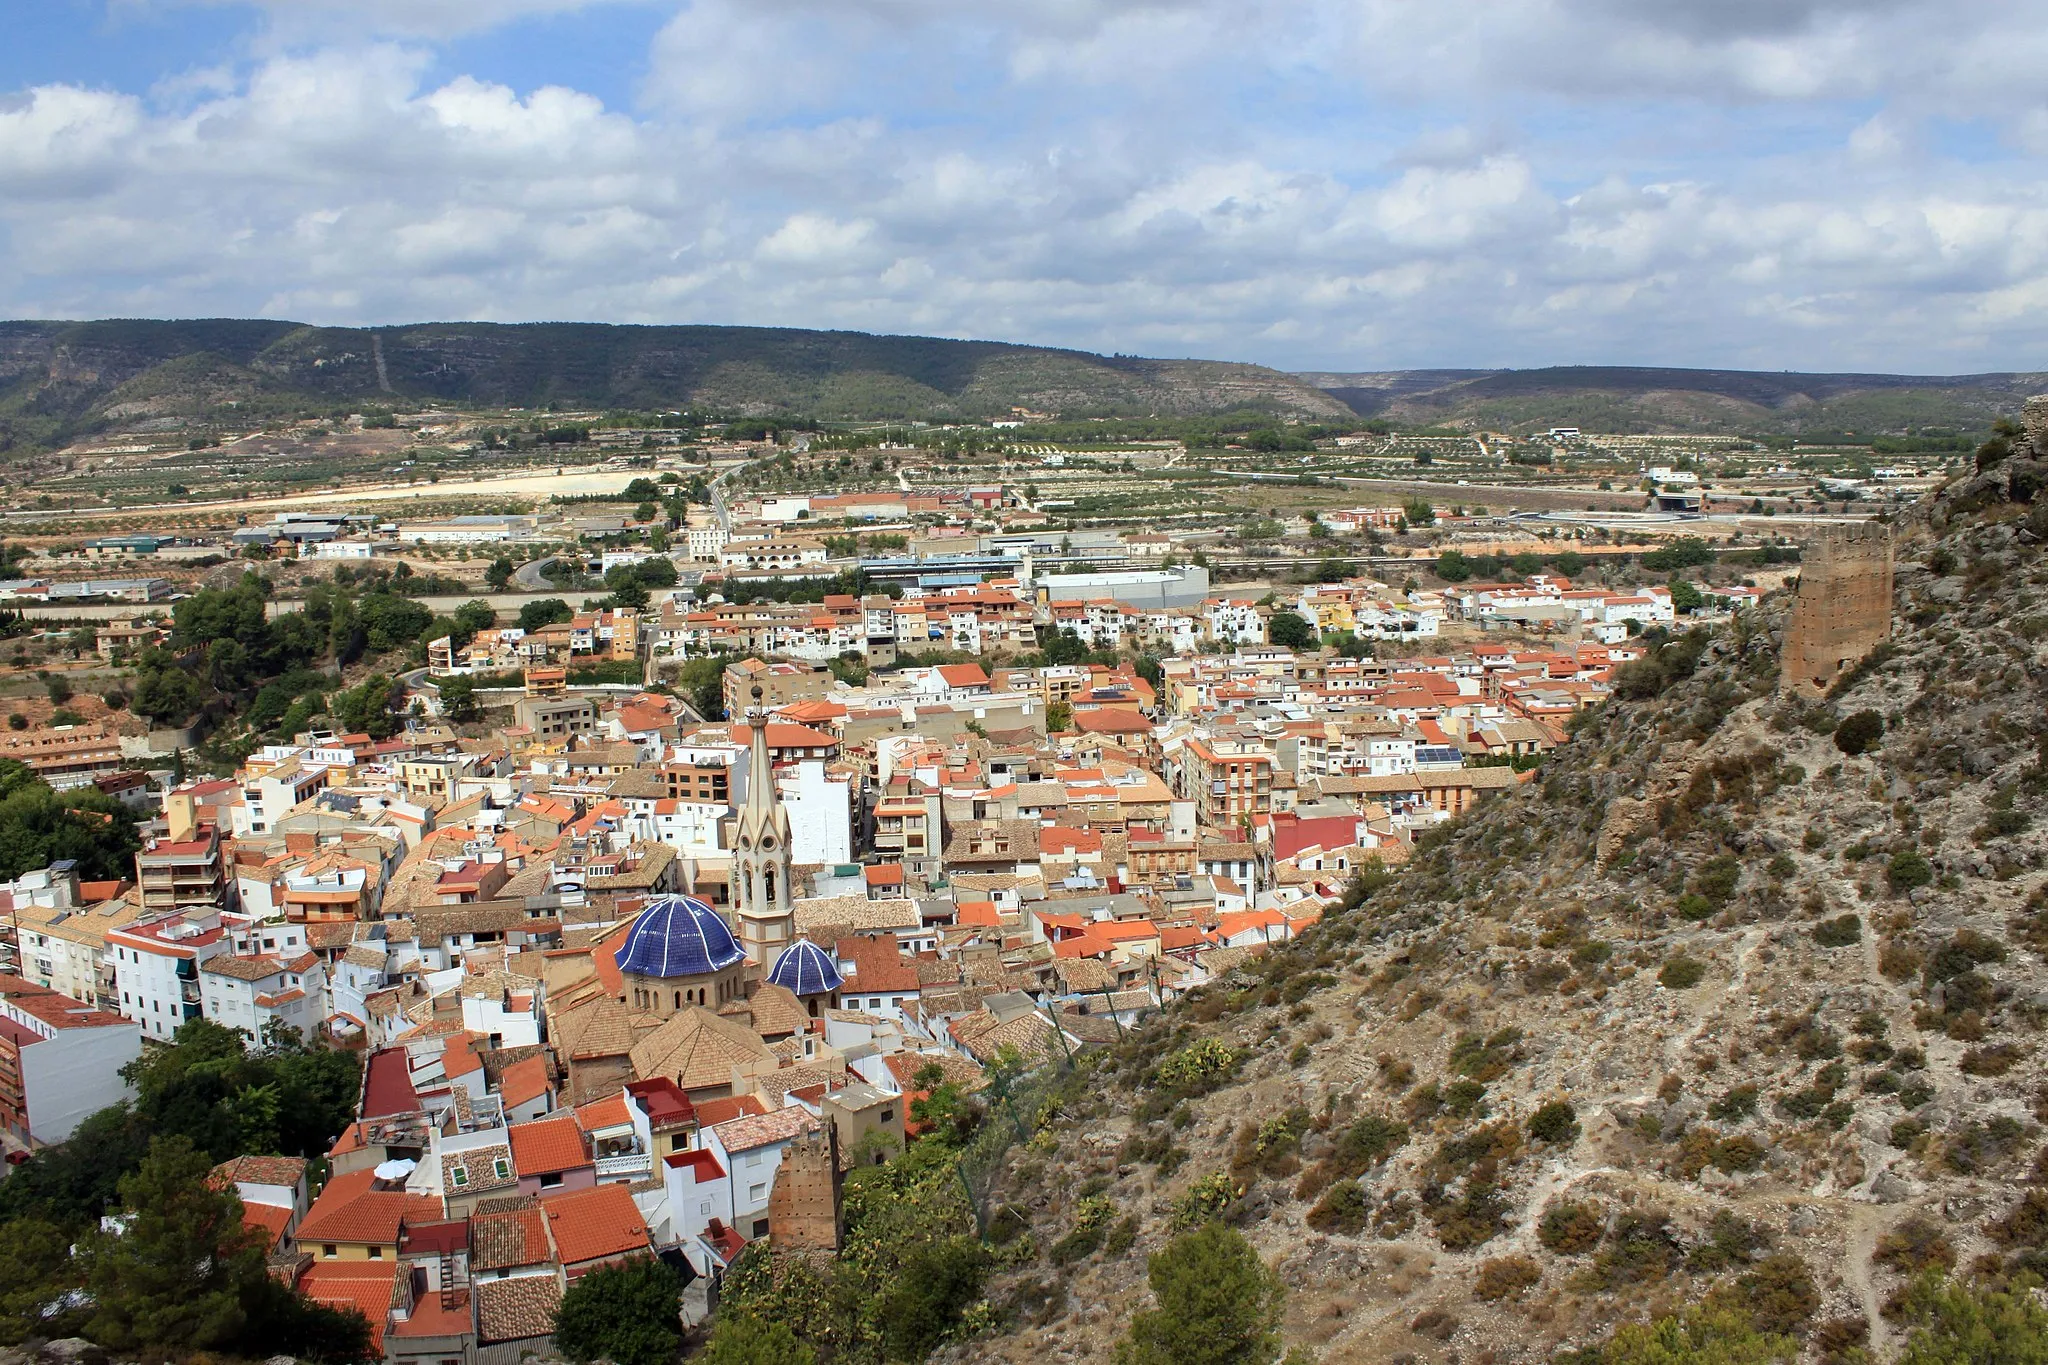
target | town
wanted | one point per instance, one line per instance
(650, 920)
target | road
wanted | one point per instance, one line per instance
(529, 577)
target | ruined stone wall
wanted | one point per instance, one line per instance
(1843, 608)
(804, 1206)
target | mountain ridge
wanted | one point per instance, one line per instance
(60, 377)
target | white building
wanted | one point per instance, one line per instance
(252, 993)
(750, 1151)
(156, 967)
(66, 1055)
(820, 807)
(336, 549)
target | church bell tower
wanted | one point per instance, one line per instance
(761, 858)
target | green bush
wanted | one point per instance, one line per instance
(1907, 870)
(1694, 907)
(1958, 1323)
(1682, 974)
(1857, 733)
(1343, 1209)
(1571, 1229)
(1840, 932)
(1216, 1304)
(1556, 1122)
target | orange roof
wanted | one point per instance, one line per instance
(594, 1223)
(365, 1286)
(979, 914)
(546, 1146)
(272, 1219)
(711, 1113)
(1125, 931)
(1088, 944)
(1181, 936)
(350, 1210)
(524, 1081)
(608, 1112)
(883, 874)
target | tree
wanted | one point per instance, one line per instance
(172, 1279)
(1291, 630)
(1453, 567)
(475, 617)
(741, 1339)
(366, 708)
(39, 826)
(630, 1313)
(1956, 1323)
(37, 1273)
(1418, 512)
(1218, 1304)
(544, 612)
(1059, 718)
(499, 576)
(458, 700)
(1857, 733)
(1685, 598)
(934, 1285)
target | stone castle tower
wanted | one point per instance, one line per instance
(1843, 608)
(806, 1216)
(761, 859)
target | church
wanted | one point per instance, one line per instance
(681, 952)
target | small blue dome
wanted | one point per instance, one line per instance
(806, 969)
(678, 936)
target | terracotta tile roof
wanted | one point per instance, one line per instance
(518, 1308)
(697, 1050)
(877, 967)
(524, 1081)
(775, 1011)
(759, 1130)
(588, 1225)
(271, 1219)
(508, 1239)
(711, 1113)
(366, 1286)
(479, 1170)
(546, 1146)
(349, 1210)
(261, 1170)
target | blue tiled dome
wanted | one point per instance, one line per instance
(678, 936)
(806, 969)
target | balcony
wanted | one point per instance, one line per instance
(624, 1164)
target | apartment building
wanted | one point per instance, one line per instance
(60, 1060)
(156, 967)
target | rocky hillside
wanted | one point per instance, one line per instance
(1742, 1001)
(57, 376)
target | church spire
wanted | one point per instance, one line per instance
(761, 854)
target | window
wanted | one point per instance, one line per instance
(376, 1253)
(458, 1176)
(327, 1251)
(888, 1115)
(756, 1193)
(550, 1181)
(502, 1168)
(760, 1227)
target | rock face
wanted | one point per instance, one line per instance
(1843, 609)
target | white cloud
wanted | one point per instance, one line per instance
(1328, 183)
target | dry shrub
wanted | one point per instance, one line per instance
(1507, 1277)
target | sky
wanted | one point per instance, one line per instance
(1339, 185)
